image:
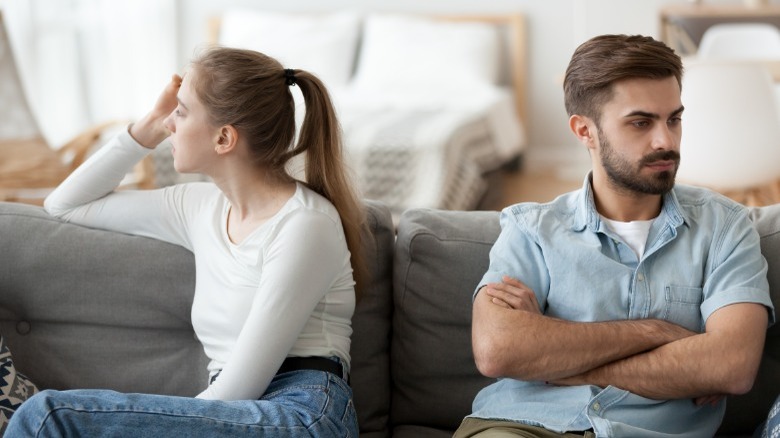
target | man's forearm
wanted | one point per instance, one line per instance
(722, 361)
(529, 346)
(658, 374)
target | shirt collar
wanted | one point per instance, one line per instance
(587, 216)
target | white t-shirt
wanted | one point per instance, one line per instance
(285, 290)
(634, 233)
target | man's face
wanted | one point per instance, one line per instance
(639, 136)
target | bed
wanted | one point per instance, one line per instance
(428, 105)
(429, 155)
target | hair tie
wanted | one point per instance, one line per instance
(289, 75)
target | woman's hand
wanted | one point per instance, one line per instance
(151, 130)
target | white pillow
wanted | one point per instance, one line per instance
(323, 44)
(408, 52)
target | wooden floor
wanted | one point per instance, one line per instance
(533, 182)
(535, 185)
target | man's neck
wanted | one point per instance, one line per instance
(626, 206)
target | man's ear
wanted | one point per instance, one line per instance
(585, 130)
(227, 138)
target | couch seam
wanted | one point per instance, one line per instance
(30, 216)
(772, 234)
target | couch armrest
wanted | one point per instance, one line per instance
(370, 376)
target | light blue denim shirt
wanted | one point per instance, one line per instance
(702, 254)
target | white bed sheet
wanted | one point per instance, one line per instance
(428, 148)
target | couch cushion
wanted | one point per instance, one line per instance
(85, 308)
(370, 378)
(440, 257)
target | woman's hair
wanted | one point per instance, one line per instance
(603, 60)
(251, 92)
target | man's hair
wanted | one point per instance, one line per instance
(606, 59)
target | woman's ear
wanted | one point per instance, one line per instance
(584, 129)
(227, 138)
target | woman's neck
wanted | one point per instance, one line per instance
(253, 200)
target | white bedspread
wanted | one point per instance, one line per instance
(428, 149)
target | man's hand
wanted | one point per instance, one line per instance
(512, 294)
(150, 130)
(708, 400)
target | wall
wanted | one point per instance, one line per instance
(555, 28)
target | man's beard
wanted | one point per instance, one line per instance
(624, 176)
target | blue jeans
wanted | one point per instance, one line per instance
(304, 403)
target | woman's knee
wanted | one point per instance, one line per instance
(40, 403)
(32, 413)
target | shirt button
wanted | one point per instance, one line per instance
(596, 406)
(640, 277)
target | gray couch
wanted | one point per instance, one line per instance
(84, 308)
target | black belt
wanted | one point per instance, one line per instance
(304, 363)
(311, 363)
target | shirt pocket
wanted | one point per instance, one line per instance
(683, 306)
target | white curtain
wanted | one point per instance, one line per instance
(89, 61)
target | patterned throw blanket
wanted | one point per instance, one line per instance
(15, 388)
(422, 158)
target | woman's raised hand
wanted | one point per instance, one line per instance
(150, 130)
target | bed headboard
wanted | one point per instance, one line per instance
(512, 29)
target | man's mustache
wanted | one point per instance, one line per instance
(661, 156)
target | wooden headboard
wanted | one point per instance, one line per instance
(513, 31)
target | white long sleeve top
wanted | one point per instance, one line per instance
(285, 290)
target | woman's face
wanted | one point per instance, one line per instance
(193, 136)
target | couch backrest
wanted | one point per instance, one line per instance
(85, 308)
(440, 257)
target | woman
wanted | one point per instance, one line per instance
(274, 257)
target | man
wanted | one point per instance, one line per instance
(631, 307)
